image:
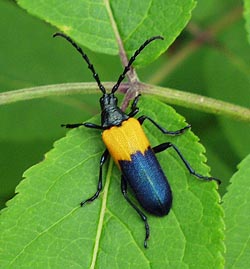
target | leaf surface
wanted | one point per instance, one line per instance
(237, 207)
(247, 17)
(44, 226)
(94, 23)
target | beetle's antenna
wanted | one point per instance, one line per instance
(85, 57)
(132, 59)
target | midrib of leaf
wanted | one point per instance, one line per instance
(115, 28)
(122, 52)
(112, 20)
(111, 163)
(102, 214)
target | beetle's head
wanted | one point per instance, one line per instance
(108, 100)
(112, 115)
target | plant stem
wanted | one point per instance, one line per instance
(198, 102)
(168, 95)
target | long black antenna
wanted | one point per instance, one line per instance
(132, 59)
(85, 57)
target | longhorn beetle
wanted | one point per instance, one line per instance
(126, 142)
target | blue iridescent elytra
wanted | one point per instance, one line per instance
(148, 182)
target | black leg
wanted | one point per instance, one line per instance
(143, 217)
(99, 186)
(141, 119)
(71, 126)
(87, 124)
(92, 125)
(167, 145)
(134, 108)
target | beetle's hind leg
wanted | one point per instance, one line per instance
(141, 214)
(99, 186)
(167, 145)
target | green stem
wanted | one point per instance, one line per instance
(198, 102)
(168, 95)
(52, 90)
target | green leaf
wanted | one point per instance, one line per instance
(230, 73)
(44, 226)
(247, 17)
(237, 208)
(96, 24)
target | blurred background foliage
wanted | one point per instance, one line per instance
(211, 57)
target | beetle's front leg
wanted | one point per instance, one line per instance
(141, 119)
(134, 108)
(86, 124)
(99, 186)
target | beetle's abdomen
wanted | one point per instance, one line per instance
(130, 149)
(148, 182)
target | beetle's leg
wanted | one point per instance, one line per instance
(71, 126)
(134, 108)
(87, 124)
(141, 119)
(99, 186)
(167, 145)
(143, 217)
(92, 125)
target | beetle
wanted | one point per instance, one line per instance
(129, 147)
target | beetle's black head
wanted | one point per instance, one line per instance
(112, 115)
(108, 100)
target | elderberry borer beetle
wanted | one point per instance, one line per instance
(129, 147)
